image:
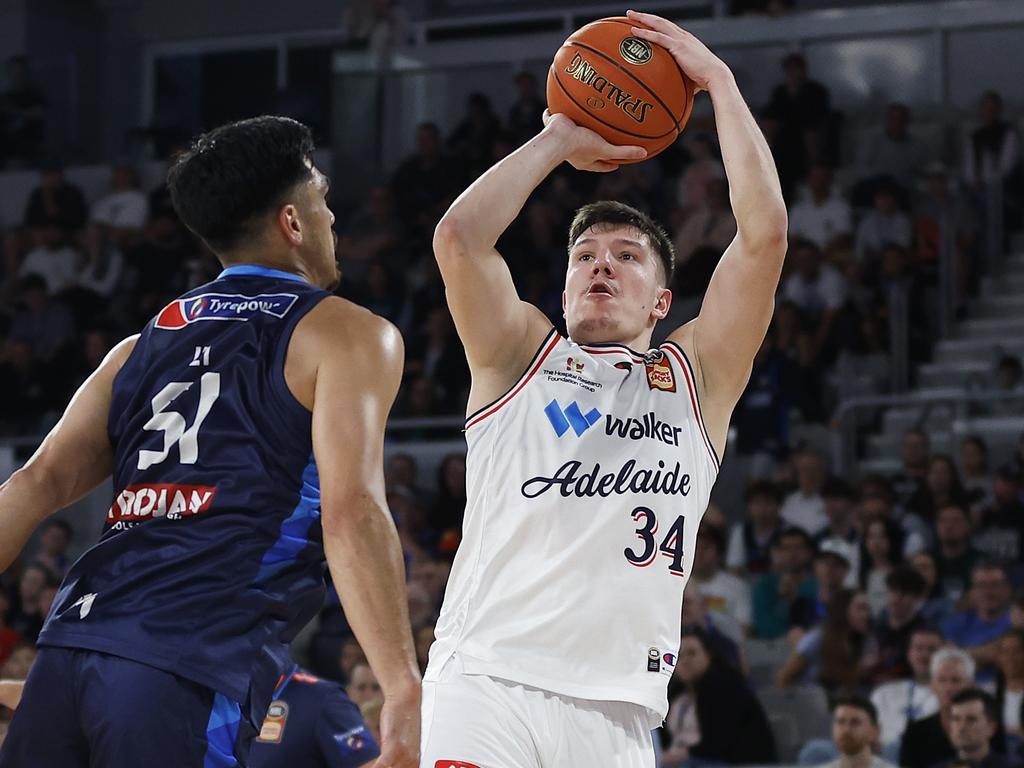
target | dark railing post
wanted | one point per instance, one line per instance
(947, 276)
(993, 203)
(898, 337)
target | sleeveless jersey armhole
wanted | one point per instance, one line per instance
(286, 396)
(549, 343)
(691, 386)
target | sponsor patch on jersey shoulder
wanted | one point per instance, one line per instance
(660, 375)
(223, 306)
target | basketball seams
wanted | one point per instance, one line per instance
(616, 128)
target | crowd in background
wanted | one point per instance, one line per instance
(897, 596)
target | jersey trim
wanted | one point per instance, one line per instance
(691, 386)
(609, 349)
(549, 343)
(257, 270)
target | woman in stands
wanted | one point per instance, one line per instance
(880, 552)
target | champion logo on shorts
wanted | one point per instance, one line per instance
(454, 764)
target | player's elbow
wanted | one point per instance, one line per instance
(770, 238)
(449, 240)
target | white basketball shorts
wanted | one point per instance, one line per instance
(476, 721)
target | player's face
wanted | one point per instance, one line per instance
(321, 241)
(613, 290)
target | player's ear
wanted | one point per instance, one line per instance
(289, 224)
(662, 303)
(563, 303)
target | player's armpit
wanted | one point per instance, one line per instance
(73, 459)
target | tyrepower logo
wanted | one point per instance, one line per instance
(220, 306)
(143, 502)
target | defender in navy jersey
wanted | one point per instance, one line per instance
(312, 723)
(244, 431)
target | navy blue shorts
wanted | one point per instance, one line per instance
(83, 708)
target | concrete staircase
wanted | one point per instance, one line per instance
(964, 362)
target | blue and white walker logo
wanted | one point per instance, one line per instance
(570, 416)
(222, 306)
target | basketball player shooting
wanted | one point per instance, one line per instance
(244, 428)
(591, 459)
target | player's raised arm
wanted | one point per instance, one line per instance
(499, 331)
(73, 459)
(740, 299)
(359, 360)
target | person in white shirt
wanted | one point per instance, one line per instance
(750, 542)
(805, 507)
(885, 223)
(855, 732)
(991, 151)
(724, 593)
(1010, 658)
(902, 701)
(53, 260)
(823, 215)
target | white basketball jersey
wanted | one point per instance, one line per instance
(586, 483)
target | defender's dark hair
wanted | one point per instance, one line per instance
(614, 214)
(235, 174)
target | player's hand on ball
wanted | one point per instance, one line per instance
(399, 733)
(585, 150)
(693, 57)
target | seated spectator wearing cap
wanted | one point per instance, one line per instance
(723, 592)
(834, 653)
(987, 618)
(714, 717)
(751, 541)
(955, 558)
(1000, 531)
(1010, 685)
(855, 733)
(832, 566)
(776, 593)
(973, 724)
(900, 702)
(925, 742)
(900, 619)
(805, 507)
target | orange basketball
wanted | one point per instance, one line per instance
(624, 88)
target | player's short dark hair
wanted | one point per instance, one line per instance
(988, 702)
(763, 489)
(857, 702)
(237, 173)
(612, 213)
(906, 580)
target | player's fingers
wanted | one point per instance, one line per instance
(625, 153)
(601, 166)
(651, 36)
(654, 22)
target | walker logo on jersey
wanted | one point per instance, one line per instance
(638, 429)
(574, 366)
(273, 724)
(570, 416)
(223, 306)
(659, 373)
(142, 502)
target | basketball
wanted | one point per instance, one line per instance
(627, 90)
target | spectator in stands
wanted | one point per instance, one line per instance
(955, 558)
(877, 503)
(885, 223)
(121, 214)
(704, 167)
(803, 369)
(401, 474)
(898, 622)
(801, 108)
(834, 654)
(379, 25)
(915, 453)
(362, 685)
(805, 507)
(776, 593)
(937, 607)
(751, 541)
(977, 629)
(761, 416)
(8, 637)
(27, 620)
(723, 633)
(1010, 687)
(372, 234)
(53, 258)
(991, 152)
(446, 513)
(942, 488)
(19, 663)
(855, 733)
(709, 225)
(55, 201)
(472, 138)
(817, 288)
(350, 656)
(1000, 533)
(880, 553)
(940, 205)
(843, 520)
(823, 216)
(832, 567)
(715, 705)
(973, 722)
(157, 262)
(889, 156)
(925, 742)
(53, 547)
(723, 592)
(43, 323)
(22, 116)
(974, 469)
(423, 182)
(525, 116)
(24, 396)
(904, 701)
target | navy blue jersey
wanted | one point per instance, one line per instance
(312, 723)
(211, 558)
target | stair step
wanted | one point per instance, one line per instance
(1000, 305)
(888, 445)
(1004, 284)
(954, 374)
(991, 328)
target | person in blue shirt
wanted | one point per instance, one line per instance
(312, 723)
(978, 628)
(244, 430)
